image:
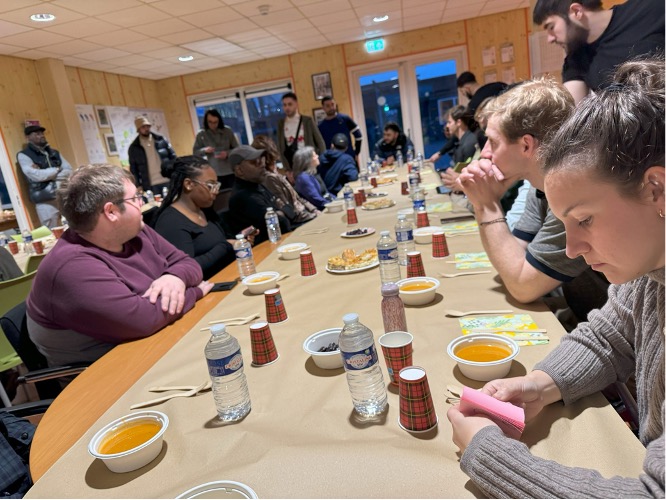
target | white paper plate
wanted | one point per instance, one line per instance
(371, 230)
(380, 208)
(350, 271)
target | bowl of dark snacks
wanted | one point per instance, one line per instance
(323, 347)
(359, 232)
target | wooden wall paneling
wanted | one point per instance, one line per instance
(494, 30)
(132, 91)
(409, 42)
(115, 89)
(306, 64)
(175, 105)
(150, 93)
(94, 87)
(75, 84)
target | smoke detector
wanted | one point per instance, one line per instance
(263, 9)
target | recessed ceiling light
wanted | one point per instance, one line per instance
(380, 19)
(185, 58)
(42, 18)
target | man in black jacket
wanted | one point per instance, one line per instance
(147, 153)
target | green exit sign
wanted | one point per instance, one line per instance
(374, 45)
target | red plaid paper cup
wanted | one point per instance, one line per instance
(351, 217)
(404, 187)
(422, 219)
(264, 351)
(275, 310)
(358, 198)
(13, 247)
(38, 246)
(417, 411)
(373, 181)
(415, 265)
(307, 264)
(363, 195)
(409, 167)
(439, 246)
(57, 231)
(397, 349)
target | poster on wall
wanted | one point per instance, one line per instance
(124, 131)
(509, 75)
(489, 56)
(506, 52)
(88, 124)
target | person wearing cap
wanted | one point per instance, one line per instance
(336, 167)
(44, 168)
(147, 154)
(249, 198)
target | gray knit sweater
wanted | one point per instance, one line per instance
(626, 336)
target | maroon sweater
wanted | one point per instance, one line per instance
(84, 288)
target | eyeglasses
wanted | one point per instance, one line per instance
(213, 187)
(138, 198)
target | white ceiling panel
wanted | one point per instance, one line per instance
(7, 28)
(134, 17)
(34, 39)
(178, 8)
(95, 7)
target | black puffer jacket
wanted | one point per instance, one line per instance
(139, 163)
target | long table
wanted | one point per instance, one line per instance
(302, 438)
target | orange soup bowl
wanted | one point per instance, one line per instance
(418, 291)
(258, 283)
(482, 356)
(130, 442)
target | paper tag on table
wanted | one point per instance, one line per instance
(465, 226)
(435, 208)
(519, 324)
(428, 187)
(473, 260)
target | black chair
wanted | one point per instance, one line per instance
(15, 327)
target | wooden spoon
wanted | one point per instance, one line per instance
(459, 314)
(186, 394)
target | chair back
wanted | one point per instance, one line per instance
(12, 292)
(14, 324)
(33, 262)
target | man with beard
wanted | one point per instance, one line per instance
(476, 94)
(597, 40)
(44, 168)
(338, 123)
(147, 153)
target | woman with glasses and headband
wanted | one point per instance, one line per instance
(186, 220)
(605, 179)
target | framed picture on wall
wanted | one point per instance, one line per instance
(321, 84)
(111, 146)
(102, 116)
(318, 114)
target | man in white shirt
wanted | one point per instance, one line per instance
(296, 131)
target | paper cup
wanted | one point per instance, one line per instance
(417, 411)
(397, 349)
(415, 267)
(264, 351)
(38, 246)
(422, 219)
(439, 246)
(352, 219)
(307, 264)
(275, 310)
(13, 247)
(57, 231)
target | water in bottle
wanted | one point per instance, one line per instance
(364, 375)
(244, 257)
(273, 225)
(413, 179)
(418, 200)
(364, 174)
(387, 250)
(419, 161)
(410, 154)
(225, 366)
(348, 194)
(150, 197)
(27, 242)
(398, 158)
(165, 192)
(404, 234)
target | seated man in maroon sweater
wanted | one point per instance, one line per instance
(109, 279)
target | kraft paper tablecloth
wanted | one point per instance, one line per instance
(301, 438)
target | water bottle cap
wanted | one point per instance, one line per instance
(385, 233)
(240, 236)
(350, 318)
(390, 289)
(269, 209)
(402, 217)
(218, 328)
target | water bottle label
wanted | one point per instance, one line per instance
(360, 360)
(243, 253)
(225, 366)
(28, 238)
(413, 180)
(418, 204)
(349, 196)
(388, 253)
(404, 235)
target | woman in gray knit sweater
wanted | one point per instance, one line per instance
(605, 180)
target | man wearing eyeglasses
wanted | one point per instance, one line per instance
(109, 279)
(249, 199)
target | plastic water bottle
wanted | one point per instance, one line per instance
(348, 194)
(165, 192)
(413, 179)
(398, 158)
(27, 242)
(404, 234)
(225, 366)
(387, 250)
(364, 376)
(419, 161)
(410, 154)
(418, 200)
(4, 240)
(244, 257)
(273, 225)
(150, 196)
(364, 175)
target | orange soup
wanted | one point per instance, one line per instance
(260, 279)
(416, 287)
(128, 437)
(482, 353)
